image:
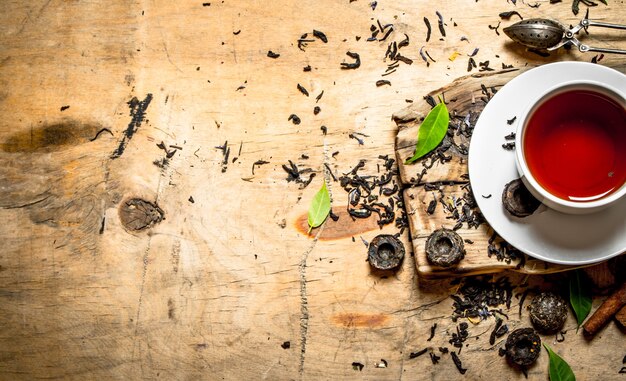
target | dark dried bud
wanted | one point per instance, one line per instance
(517, 199)
(523, 346)
(548, 312)
(385, 252)
(444, 248)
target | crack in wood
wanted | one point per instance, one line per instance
(304, 302)
(304, 309)
(26, 205)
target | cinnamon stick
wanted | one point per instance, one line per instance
(606, 311)
(620, 316)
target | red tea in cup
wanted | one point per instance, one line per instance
(574, 144)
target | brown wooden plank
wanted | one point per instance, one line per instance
(477, 259)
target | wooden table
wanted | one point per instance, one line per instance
(221, 283)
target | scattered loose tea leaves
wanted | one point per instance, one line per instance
(434, 358)
(428, 29)
(382, 82)
(295, 174)
(495, 28)
(432, 332)
(319, 96)
(442, 30)
(355, 65)
(499, 330)
(271, 54)
(320, 35)
(559, 369)
(507, 15)
(579, 295)
(458, 363)
(460, 336)
(258, 163)
(432, 131)
(413, 355)
(357, 366)
(303, 90)
(320, 207)
(510, 146)
(477, 294)
(471, 64)
(295, 119)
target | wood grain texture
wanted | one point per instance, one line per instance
(216, 287)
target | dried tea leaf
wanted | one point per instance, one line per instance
(559, 369)
(580, 296)
(431, 132)
(320, 207)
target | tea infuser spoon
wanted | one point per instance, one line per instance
(551, 35)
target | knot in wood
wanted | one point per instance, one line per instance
(137, 214)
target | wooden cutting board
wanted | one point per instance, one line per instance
(449, 174)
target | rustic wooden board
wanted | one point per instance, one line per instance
(216, 288)
(466, 97)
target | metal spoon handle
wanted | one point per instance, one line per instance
(585, 48)
(602, 24)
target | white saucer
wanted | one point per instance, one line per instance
(546, 234)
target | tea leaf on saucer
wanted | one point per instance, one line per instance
(431, 132)
(558, 368)
(320, 207)
(579, 296)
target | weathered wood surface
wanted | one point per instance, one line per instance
(215, 285)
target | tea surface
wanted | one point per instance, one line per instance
(574, 145)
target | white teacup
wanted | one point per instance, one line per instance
(565, 143)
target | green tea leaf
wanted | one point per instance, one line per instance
(580, 296)
(320, 207)
(559, 369)
(431, 132)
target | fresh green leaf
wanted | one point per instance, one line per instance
(431, 132)
(559, 369)
(320, 207)
(580, 296)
